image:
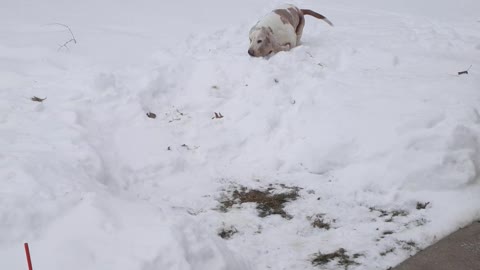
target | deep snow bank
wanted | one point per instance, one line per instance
(368, 118)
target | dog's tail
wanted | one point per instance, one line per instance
(316, 15)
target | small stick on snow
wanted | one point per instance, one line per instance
(465, 71)
(73, 39)
(151, 115)
(27, 253)
(37, 99)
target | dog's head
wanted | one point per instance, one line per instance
(261, 42)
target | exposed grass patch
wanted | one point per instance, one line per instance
(421, 205)
(389, 214)
(340, 256)
(227, 232)
(382, 212)
(270, 201)
(385, 233)
(318, 221)
(408, 245)
(388, 251)
(416, 223)
(397, 213)
(357, 255)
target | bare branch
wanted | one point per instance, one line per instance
(68, 27)
(73, 39)
(65, 45)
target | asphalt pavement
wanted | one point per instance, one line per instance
(458, 251)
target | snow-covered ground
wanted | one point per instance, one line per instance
(368, 118)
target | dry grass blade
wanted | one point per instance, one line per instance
(340, 256)
(217, 116)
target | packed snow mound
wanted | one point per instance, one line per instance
(116, 234)
(368, 122)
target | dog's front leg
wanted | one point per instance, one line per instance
(285, 47)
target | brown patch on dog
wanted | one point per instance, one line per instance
(294, 11)
(288, 17)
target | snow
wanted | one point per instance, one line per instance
(366, 116)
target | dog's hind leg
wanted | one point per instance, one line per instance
(299, 30)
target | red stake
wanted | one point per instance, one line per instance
(29, 261)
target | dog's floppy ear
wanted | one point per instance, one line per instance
(269, 34)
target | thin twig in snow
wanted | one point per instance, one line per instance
(465, 71)
(73, 39)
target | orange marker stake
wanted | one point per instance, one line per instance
(29, 260)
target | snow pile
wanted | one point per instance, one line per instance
(368, 119)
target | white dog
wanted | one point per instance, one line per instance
(280, 30)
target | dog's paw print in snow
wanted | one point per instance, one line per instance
(464, 155)
(342, 60)
(108, 85)
(174, 115)
(465, 138)
(105, 81)
(426, 122)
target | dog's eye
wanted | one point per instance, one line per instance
(259, 41)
